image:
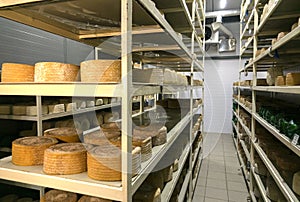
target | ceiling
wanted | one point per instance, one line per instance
(216, 5)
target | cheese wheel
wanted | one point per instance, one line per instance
(281, 35)
(84, 124)
(280, 81)
(12, 72)
(104, 163)
(60, 196)
(5, 109)
(28, 151)
(65, 159)
(100, 119)
(292, 79)
(110, 117)
(156, 131)
(99, 102)
(296, 183)
(168, 173)
(90, 103)
(71, 107)
(93, 199)
(99, 137)
(32, 110)
(55, 72)
(81, 104)
(274, 41)
(19, 110)
(105, 101)
(106, 71)
(65, 134)
(57, 108)
(175, 165)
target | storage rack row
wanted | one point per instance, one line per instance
(168, 20)
(260, 22)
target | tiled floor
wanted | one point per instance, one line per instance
(220, 177)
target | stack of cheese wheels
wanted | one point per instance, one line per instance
(64, 134)
(136, 155)
(292, 79)
(65, 159)
(156, 131)
(29, 151)
(104, 71)
(147, 193)
(145, 142)
(280, 81)
(12, 72)
(32, 110)
(104, 163)
(296, 183)
(5, 109)
(93, 199)
(55, 72)
(59, 196)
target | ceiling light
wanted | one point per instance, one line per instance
(223, 4)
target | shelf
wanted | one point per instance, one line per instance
(170, 186)
(158, 17)
(73, 89)
(235, 128)
(246, 46)
(184, 187)
(278, 89)
(243, 125)
(285, 189)
(247, 25)
(260, 185)
(286, 40)
(244, 107)
(196, 153)
(245, 150)
(197, 172)
(249, 6)
(171, 89)
(158, 152)
(146, 110)
(78, 183)
(245, 172)
(282, 138)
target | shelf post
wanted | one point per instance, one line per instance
(126, 59)
(39, 115)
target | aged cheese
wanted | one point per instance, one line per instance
(56, 108)
(105, 101)
(99, 102)
(71, 107)
(110, 117)
(155, 130)
(29, 151)
(104, 163)
(272, 74)
(168, 173)
(90, 103)
(292, 79)
(12, 72)
(60, 196)
(147, 193)
(55, 72)
(296, 183)
(64, 134)
(81, 104)
(152, 76)
(19, 110)
(65, 159)
(175, 165)
(32, 110)
(106, 71)
(281, 35)
(5, 109)
(280, 81)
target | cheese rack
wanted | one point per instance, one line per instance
(131, 18)
(256, 32)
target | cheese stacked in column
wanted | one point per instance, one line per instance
(59, 196)
(12, 72)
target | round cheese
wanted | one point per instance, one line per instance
(60, 196)
(12, 72)
(296, 183)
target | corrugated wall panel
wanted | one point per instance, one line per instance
(24, 44)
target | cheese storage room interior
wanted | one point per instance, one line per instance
(235, 137)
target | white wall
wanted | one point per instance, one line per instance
(218, 78)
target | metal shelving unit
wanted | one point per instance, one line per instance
(279, 17)
(153, 18)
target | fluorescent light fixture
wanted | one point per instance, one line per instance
(223, 4)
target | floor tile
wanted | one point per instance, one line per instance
(234, 177)
(237, 196)
(237, 186)
(200, 190)
(201, 181)
(216, 193)
(213, 200)
(216, 183)
(232, 169)
(216, 175)
(198, 198)
(216, 158)
(231, 154)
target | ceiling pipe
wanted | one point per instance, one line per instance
(224, 13)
